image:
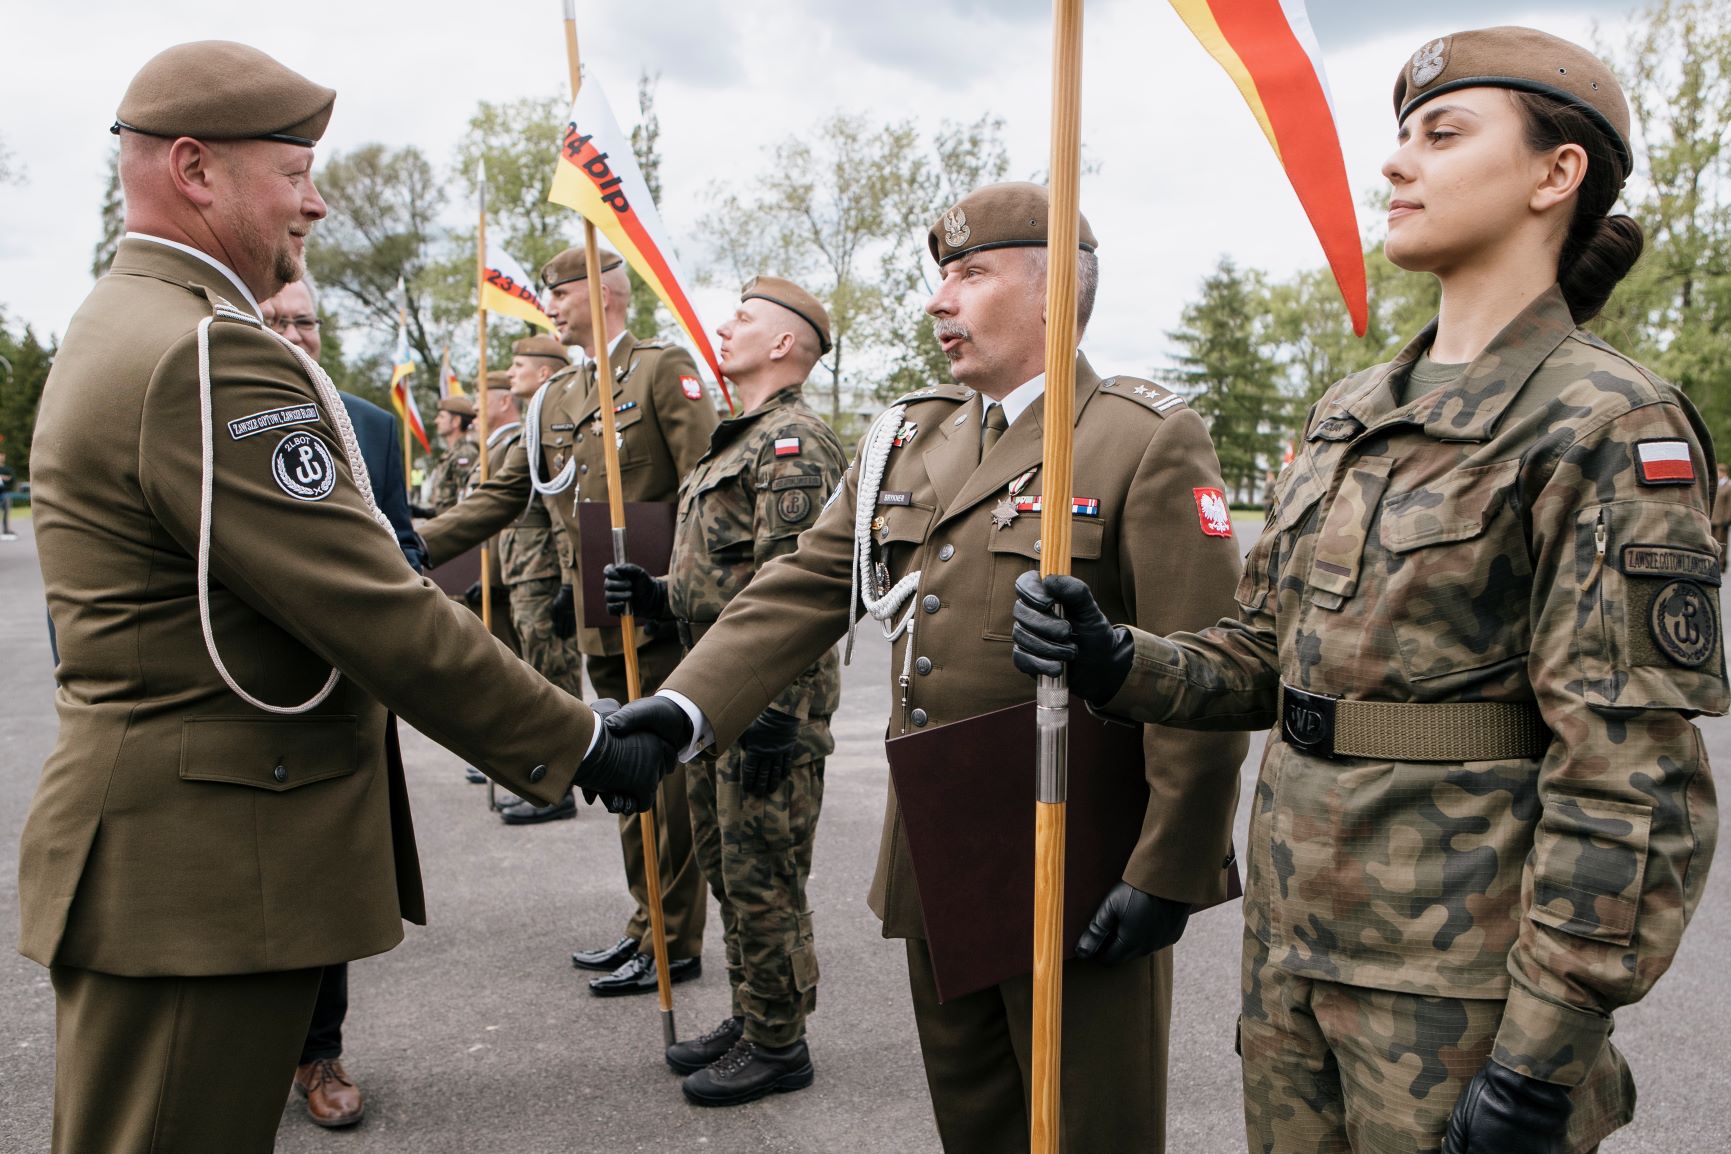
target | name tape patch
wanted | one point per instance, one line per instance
(244, 427)
(1668, 561)
(895, 497)
(302, 467)
(1664, 463)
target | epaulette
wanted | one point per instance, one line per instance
(956, 393)
(649, 346)
(1145, 393)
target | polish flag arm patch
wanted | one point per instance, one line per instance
(1211, 510)
(787, 446)
(1664, 463)
(692, 388)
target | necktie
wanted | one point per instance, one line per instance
(995, 423)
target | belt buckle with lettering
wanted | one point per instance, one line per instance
(1307, 721)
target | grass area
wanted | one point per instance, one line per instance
(1245, 518)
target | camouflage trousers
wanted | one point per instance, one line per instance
(555, 658)
(756, 855)
(1332, 1069)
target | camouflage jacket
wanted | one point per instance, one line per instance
(762, 483)
(452, 471)
(1535, 531)
(529, 549)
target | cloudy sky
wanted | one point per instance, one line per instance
(1184, 174)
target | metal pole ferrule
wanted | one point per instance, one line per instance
(1052, 730)
(619, 545)
(667, 1030)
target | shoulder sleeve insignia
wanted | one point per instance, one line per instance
(1664, 463)
(302, 467)
(692, 387)
(244, 427)
(787, 446)
(1211, 510)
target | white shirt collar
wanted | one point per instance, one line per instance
(612, 347)
(1018, 399)
(207, 259)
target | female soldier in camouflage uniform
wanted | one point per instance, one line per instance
(1483, 611)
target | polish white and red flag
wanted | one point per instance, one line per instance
(1662, 461)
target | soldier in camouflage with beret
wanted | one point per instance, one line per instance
(1482, 614)
(754, 807)
(452, 422)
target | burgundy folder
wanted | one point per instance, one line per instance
(966, 792)
(648, 542)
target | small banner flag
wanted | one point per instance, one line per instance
(507, 289)
(597, 176)
(1269, 49)
(401, 396)
(449, 385)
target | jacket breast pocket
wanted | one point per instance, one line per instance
(1015, 550)
(632, 435)
(724, 506)
(1649, 635)
(1457, 576)
(1300, 490)
(275, 754)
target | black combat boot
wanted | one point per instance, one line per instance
(748, 1072)
(694, 1054)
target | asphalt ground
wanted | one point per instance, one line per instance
(477, 1035)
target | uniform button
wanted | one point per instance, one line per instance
(931, 603)
(280, 773)
(1036, 546)
(579, 438)
(923, 665)
(539, 772)
(585, 469)
(946, 552)
(919, 717)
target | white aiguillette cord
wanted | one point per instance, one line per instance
(880, 603)
(339, 417)
(532, 445)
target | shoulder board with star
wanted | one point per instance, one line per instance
(953, 393)
(1145, 393)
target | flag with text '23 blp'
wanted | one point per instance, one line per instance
(507, 289)
(1269, 49)
(597, 175)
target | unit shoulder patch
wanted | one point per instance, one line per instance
(1683, 624)
(1145, 393)
(302, 467)
(242, 427)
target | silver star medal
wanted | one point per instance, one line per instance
(1005, 511)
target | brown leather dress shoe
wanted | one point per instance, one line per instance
(332, 1099)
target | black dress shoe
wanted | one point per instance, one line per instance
(690, 1056)
(474, 776)
(748, 1072)
(607, 958)
(528, 813)
(638, 976)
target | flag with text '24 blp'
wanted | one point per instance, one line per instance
(597, 175)
(401, 397)
(507, 289)
(1269, 49)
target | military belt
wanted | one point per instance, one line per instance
(1329, 726)
(691, 632)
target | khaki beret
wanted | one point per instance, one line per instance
(539, 346)
(572, 264)
(462, 406)
(795, 300)
(496, 379)
(1011, 215)
(220, 90)
(1526, 60)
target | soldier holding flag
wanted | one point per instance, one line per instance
(935, 520)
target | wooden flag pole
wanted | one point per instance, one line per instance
(481, 378)
(1052, 698)
(616, 513)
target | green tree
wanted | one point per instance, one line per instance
(383, 224)
(1674, 311)
(24, 365)
(1228, 372)
(113, 216)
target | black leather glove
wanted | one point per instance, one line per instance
(1131, 924)
(630, 589)
(1502, 1112)
(421, 512)
(564, 613)
(1094, 652)
(472, 595)
(638, 746)
(768, 747)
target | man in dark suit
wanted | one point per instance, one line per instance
(333, 1098)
